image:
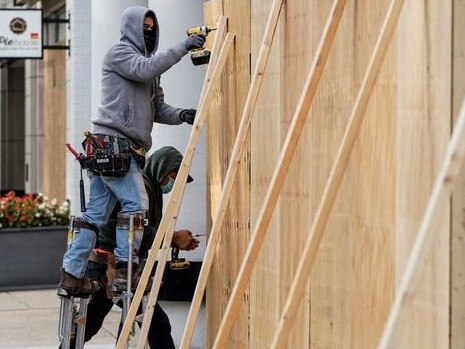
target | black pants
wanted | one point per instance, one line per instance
(159, 336)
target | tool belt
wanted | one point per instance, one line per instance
(106, 155)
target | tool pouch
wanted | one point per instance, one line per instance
(109, 156)
(109, 165)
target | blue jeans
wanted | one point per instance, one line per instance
(104, 193)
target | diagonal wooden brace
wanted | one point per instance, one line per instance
(168, 221)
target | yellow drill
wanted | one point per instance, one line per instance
(200, 55)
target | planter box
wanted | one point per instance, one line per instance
(31, 258)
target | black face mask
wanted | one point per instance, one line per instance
(149, 38)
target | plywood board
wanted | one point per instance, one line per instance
(264, 284)
(422, 131)
(215, 172)
(54, 124)
(228, 108)
(330, 282)
(372, 203)
(457, 301)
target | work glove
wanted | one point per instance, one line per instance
(194, 41)
(188, 115)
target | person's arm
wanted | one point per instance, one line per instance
(125, 60)
(164, 113)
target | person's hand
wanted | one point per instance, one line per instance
(184, 240)
(188, 115)
(194, 41)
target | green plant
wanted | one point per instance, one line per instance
(32, 210)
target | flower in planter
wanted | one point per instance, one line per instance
(32, 210)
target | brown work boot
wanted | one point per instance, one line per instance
(76, 287)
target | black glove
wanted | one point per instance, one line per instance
(188, 115)
(194, 41)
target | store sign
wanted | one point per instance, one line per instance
(20, 33)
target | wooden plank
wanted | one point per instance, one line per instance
(237, 219)
(304, 24)
(319, 223)
(423, 110)
(216, 47)
(265, 124)
(331, 285)
(170, 215)
(371, 174)
(215, 172)
(241, 139)
(457, 273)
(450, 170)
(283, 164)
(54, 161)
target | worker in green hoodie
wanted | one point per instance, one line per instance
(159, 174)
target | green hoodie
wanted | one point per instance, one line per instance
(157, 166)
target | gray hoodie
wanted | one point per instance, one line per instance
(132, 98)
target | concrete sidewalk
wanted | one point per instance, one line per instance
(29, 319)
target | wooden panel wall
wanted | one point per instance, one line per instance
(385, 188)
(223, 121)
(54, 124)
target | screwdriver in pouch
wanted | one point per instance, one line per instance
(93, 140)
(80, 158)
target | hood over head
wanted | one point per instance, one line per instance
(162, 162)
(132, 27)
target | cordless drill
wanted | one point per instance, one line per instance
(200, 55)
(176, 262)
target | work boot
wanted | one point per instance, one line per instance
(76, 287)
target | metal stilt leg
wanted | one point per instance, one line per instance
(67, 309)
(72, 318)
(65, 327)
(80, 320)
(127, 295)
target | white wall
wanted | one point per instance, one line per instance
(78, 90)
(182, 85)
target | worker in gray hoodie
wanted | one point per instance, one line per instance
(132, 100)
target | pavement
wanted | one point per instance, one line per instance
(29, 319)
